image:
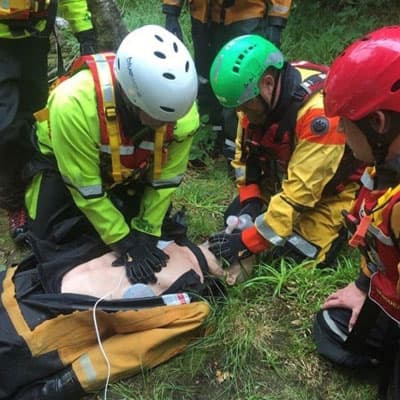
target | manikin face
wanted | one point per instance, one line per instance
(356, 140)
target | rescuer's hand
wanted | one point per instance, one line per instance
(139, 253)
(228, 246)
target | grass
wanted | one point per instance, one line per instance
(260, 344)
(205, 193)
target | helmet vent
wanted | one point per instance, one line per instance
(169, 76)
(396, 86)
(167, 109)
(159, 38)
(159, 54)
(175, 47)
(240, 58)
(187, 66)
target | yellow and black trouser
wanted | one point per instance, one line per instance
(50, 347)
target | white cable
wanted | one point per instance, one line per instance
(98, 333)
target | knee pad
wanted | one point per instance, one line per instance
(330, 332)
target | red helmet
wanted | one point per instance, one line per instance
(366, 76)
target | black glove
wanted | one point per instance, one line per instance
(228, 246)
(172, 20)
(253, 207)
(274, 29)
(88, 42)
(141, 257)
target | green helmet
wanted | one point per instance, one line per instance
(238, 67)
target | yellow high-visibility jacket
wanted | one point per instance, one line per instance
(74, 140)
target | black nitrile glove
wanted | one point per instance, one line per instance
(228, 246)
(88, 42)
(274, 29)
(172, 20)
(139, 253)
(253, 207)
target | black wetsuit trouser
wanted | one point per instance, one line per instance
(23, 90)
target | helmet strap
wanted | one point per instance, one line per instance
(388, 174)
(290, 79)
(276, 75)
(266, 106)
(129, 117)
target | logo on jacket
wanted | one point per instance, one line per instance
(320, 125)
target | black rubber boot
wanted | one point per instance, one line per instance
(61, 386)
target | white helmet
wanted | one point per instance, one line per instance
(156, 72)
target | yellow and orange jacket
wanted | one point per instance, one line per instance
(312, 166)
(240, 10)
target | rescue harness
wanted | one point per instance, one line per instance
(276, 147)
(24, 9)
(279, 141)
(370, 226)
(23, 15)
(128, 158)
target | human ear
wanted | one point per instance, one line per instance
(379, 121)
(266, 86)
